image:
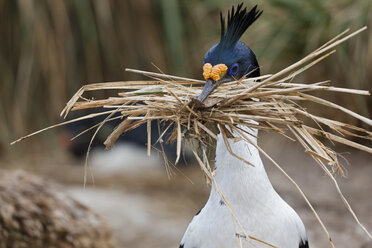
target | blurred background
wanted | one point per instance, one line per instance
(50, 48)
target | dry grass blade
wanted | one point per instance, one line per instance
(62, 124)
(333, 105)
(338, 139)
(149, 138)
(179, 140)
(169, 77)
(113, 137)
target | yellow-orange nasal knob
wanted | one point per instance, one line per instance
(207, 70)
(218, 71)
(214, 72)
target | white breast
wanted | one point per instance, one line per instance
(261, 211)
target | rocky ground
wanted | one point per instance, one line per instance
(146, 208)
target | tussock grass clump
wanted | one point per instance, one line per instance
(39, 213)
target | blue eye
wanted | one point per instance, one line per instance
(234, 70)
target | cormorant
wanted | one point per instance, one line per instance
(257, 206)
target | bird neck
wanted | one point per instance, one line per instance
(237, 180)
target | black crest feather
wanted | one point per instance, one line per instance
(237, 23)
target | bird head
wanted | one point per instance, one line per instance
(230, 59)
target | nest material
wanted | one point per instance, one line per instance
(273, 103)
(270, 102)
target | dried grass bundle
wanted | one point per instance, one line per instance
(272, 102)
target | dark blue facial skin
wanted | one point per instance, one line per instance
(239, 59)
(240, 54)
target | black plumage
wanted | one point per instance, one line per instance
(304, 244)
(237, 23)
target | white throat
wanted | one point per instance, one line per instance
(240, 182)
(261, 211)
